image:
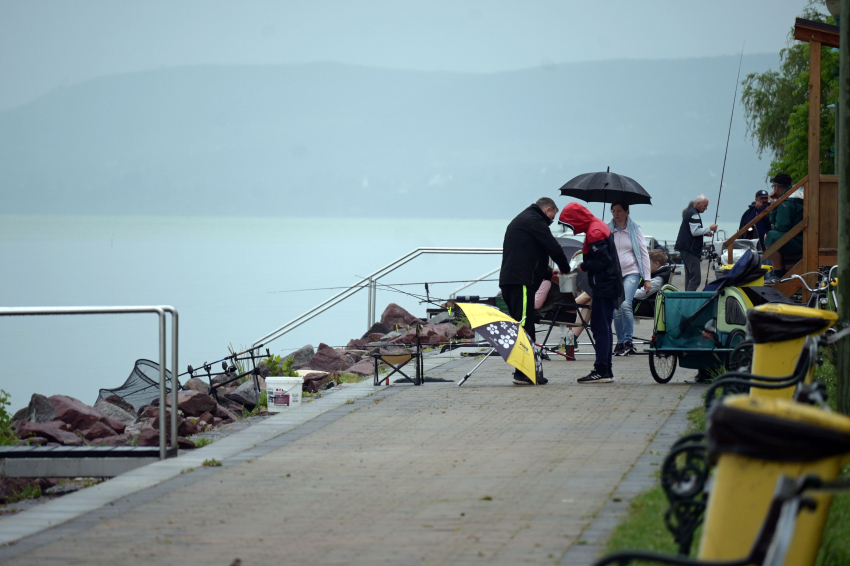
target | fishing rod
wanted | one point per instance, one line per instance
(725, 154)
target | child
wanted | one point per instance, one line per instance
(602, 264)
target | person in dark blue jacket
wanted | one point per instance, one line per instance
(761, 227)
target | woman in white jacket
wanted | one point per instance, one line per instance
(634, 263)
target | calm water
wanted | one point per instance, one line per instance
(232, 281)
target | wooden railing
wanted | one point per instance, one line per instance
(784, 239)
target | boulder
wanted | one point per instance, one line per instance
(328, 359)
(446, 330)
(376, 337)
(465, 333)
(194, 403)
(301, 356)
(351, 355)
(119, 402)
(440, 317)
(185, 443)
(188, 428)
(365, 366)
(315, 382)
(377, 328)
(224, 413)
(149, 437)
(99, 430)
(246, 395)
(115, 413)
(74, 412)
(33, 441)
(197, 384)
(40, 410)
(53, 431)
(117, 426)
(394, 316)
(207, 418)
(356, 344)
(390, 336)
(117, 440)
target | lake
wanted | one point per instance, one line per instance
(232, 280)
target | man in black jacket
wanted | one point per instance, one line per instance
(526, 251)
(689, 241)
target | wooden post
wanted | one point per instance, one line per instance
(811, 197)
(843, 169)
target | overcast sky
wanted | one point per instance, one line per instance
(48, 43)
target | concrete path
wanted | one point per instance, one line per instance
(489, 473)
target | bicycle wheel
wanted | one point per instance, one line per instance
(741, 358)
(662, 366)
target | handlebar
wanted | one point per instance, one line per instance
(802, 281)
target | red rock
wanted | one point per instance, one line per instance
(188, 428)
(365, 366)
(99, 430)
(375, 337)
(224, 413)
(194, 403)
(217, 421)
(33, 441)
(354, 357)
(328, 359)
(117, 440)
(315, 382)
(185, 443)
(149, 437)
(395, 315)
(74, 412)
(206, 418)
(356, 344)
(118, 427)
(465, 333)
(53, 431)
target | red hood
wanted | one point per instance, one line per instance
(583, 222)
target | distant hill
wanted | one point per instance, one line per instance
(336, 140)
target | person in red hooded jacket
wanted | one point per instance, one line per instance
(602, 265)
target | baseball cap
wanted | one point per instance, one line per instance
(783, 179)
(762, 193)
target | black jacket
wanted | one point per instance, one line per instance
(602, 264)
(527, 248)
(761, 228)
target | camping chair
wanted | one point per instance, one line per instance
(567, 315)
(398, 361)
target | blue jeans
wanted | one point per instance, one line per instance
(624, 316)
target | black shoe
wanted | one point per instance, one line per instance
(628, 349)
(619, 349)
(522, 379)
(596, 377)
(545, 356)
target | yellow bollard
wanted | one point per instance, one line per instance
(752, 441)
(778, 333)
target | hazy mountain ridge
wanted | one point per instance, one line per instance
(339, 140)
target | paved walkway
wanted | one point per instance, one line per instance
(489, 473)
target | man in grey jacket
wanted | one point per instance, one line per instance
(689, 241)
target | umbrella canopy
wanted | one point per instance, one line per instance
(506, 336)
(606, 187)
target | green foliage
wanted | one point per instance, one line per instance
(212, 463)
(203, 441)
(344, 377)
(7, 437)
(696, 418)
(29, 491)
(835, 546)
(644, 528)
(777, 107)
(280, 367)
(826, 374)
(264, 399)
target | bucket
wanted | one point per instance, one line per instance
(283, 392)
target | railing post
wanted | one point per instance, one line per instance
(369, 305)
(374, 292)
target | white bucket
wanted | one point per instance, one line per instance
(283, 392)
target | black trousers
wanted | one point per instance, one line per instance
(600, 324)
(520, 301)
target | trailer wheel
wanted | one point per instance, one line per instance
(662, 366)
(741, 357)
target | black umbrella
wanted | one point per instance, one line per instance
(606, 187)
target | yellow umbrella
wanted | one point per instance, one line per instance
(506, 335)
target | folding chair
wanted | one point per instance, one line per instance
(398, 361)
(569, 315)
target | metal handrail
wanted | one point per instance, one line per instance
(368, 282)
(160, 312)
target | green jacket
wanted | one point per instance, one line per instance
(787, 215)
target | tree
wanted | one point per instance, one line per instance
(777, 105)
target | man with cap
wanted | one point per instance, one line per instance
(762, 227)
(783, 218)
